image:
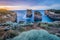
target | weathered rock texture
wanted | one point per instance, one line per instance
(53, 14)
(6, 15)
(37, 16)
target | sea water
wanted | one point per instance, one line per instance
(21, 15)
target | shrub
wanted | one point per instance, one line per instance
(36, 35)
(1, 39)
(21, 29)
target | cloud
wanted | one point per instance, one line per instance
(38, 7)
(23, 7)
(29, 2)
(54, 6)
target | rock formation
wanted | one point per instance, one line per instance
(6, 15)
(37, 16)
(29, 13)
(53, 14)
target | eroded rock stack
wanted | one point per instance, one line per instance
(29, 13)
(37, 16)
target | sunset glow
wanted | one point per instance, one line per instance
(29, 4)
(22, 7)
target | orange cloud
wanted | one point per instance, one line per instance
(24, 7)
(15, 7)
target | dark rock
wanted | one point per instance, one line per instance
(37, 16)
(53, 14)
(29, 13)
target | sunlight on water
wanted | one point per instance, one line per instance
(36, 35)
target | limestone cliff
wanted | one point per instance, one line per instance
(53, 14)
(37, 16)
(7, 15)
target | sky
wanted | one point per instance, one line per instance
(30, 4)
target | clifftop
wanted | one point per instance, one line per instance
(55, 11)
(6, 15)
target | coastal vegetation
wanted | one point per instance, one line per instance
(11, 30)
(52, 28)
(36, 35)
(3, 11)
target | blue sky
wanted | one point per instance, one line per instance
(31, 4)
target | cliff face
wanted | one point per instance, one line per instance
(29, 13)
(55, 15)
(6, 15)
(37, 16)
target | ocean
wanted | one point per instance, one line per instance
(22, 13)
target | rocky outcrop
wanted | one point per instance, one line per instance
(21, 22)
(6, 15)
(55, 15)
(37, 16)
(29, 13)
(6, 34)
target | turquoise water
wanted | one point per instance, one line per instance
(21, 16)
